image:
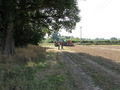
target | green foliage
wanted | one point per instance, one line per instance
(32, 19)
(113, 38)
(99, 42)
(69, 37)
(49, 40)
(55, 36)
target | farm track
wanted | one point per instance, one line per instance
(81, 80)
(84, 77)
(100, 67)
(88, 72)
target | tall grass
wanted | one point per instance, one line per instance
(30, 53)
(25, 54)
(32, 68)
(14, 75)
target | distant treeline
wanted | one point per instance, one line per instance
(89, 42)
(98, 42)
(84, 41)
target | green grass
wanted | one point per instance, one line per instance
(62, 65)
(28, 79)
(47, 44)
(30, 70)
(53, 82)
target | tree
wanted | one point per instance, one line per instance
(113, 38)
(37, 16)
(55, 36)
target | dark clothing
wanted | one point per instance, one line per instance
(62, 44)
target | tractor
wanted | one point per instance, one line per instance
(69, 43)
(66, 43)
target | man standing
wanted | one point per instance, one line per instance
(59, 45)
(62, 44)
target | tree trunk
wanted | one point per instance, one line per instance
(9, 48)
(2, 45)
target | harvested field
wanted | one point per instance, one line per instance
(102, 63)
(93, 67)
(108, 52)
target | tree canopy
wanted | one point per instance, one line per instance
(27, 21)
(55, 36)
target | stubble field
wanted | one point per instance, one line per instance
(102, 63)
(107, 52)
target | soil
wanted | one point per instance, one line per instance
(108, 52)
(93, 67)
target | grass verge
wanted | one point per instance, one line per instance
(33, 68)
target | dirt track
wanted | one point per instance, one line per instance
(93, 67)
(82, 81)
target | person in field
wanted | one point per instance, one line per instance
(59, 45)
(62, 44)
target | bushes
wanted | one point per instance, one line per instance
(99, 42)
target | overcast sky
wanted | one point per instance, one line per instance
(100, 19)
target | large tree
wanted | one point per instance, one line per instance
(34, 16)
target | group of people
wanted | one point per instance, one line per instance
(60, 44)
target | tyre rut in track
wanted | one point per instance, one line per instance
(106, 73)
(101, 68)
(87, 79)
(81, 80)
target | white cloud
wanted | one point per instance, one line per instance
(100, 18)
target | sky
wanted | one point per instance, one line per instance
(100, 19)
